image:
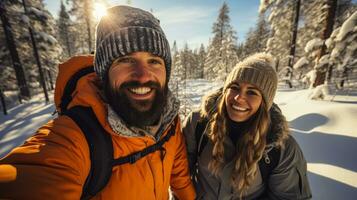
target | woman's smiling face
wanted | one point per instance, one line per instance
(242, 101)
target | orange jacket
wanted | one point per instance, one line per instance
(54, 163)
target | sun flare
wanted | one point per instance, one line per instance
(99, 11)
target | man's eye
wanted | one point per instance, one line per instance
(126, 61)
(155, 61)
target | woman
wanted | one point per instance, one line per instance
(238, 143)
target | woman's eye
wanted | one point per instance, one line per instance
(234, 87)
(252, 92)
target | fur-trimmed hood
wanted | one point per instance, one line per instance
(278, 131)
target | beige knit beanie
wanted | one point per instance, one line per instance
(258, 70)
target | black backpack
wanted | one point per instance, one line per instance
(265, 165)
(100, 142)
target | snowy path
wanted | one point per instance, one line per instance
(325, 130)
(22, 122)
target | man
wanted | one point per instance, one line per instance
(130, 98)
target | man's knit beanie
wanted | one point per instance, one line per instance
(257, 70)
(125, 30)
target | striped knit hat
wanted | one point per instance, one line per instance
(125, 30)
(257, 70)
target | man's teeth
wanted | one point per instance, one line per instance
(140, 90)
(239, 108)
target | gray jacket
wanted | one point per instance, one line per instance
(287, 181)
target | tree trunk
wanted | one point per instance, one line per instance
(50, 79)
(35, 52)
(329, 22)
(296, 14)
(3, 103)
(88, 24)
(294, 33)
(19, 71)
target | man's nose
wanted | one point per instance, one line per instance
(141, 73)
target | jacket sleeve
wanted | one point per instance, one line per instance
(181, 183)
(188, 129)
(52, 164)
(289, 179)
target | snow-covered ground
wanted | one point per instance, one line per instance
(325, 130)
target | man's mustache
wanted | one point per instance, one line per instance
(132, 84)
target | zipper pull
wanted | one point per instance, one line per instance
(266, 158)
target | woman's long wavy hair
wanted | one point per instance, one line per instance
(249, 148)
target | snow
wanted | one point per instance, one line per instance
(325, 131)
(25, 20)
(301, 63)
(313, 44)
(347, 27)
(47, 37)
(37, 12)
(22, 122)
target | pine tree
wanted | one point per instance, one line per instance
(342, 46)
(201, 61)
(221, 56)
(256, 38)
(328, 20)
(64, 30)
(280, 20)
(5, 74)
(44, 29)
(84, 23)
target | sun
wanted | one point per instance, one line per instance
(99, 11)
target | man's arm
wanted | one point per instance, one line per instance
(52, 164)
(181, 183)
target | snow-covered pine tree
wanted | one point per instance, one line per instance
(82, 11)
(175, 69)
(201, 61)
(43, 26)
(10, 62)
(84, 23)
(280, 20)
(343, 47)
(256, 38)
(64, 35)
(221, 56)
(314, 14)
(49, 50)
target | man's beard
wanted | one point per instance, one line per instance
(137, 113)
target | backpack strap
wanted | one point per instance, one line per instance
(201, 138)
(100, 149)
(71, 86)
(132, 158)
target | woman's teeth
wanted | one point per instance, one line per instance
(238, 108)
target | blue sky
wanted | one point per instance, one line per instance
(191, 20)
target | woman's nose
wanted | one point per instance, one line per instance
(239, 96)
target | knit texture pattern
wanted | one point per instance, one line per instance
(125, 30)
(257, 70)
